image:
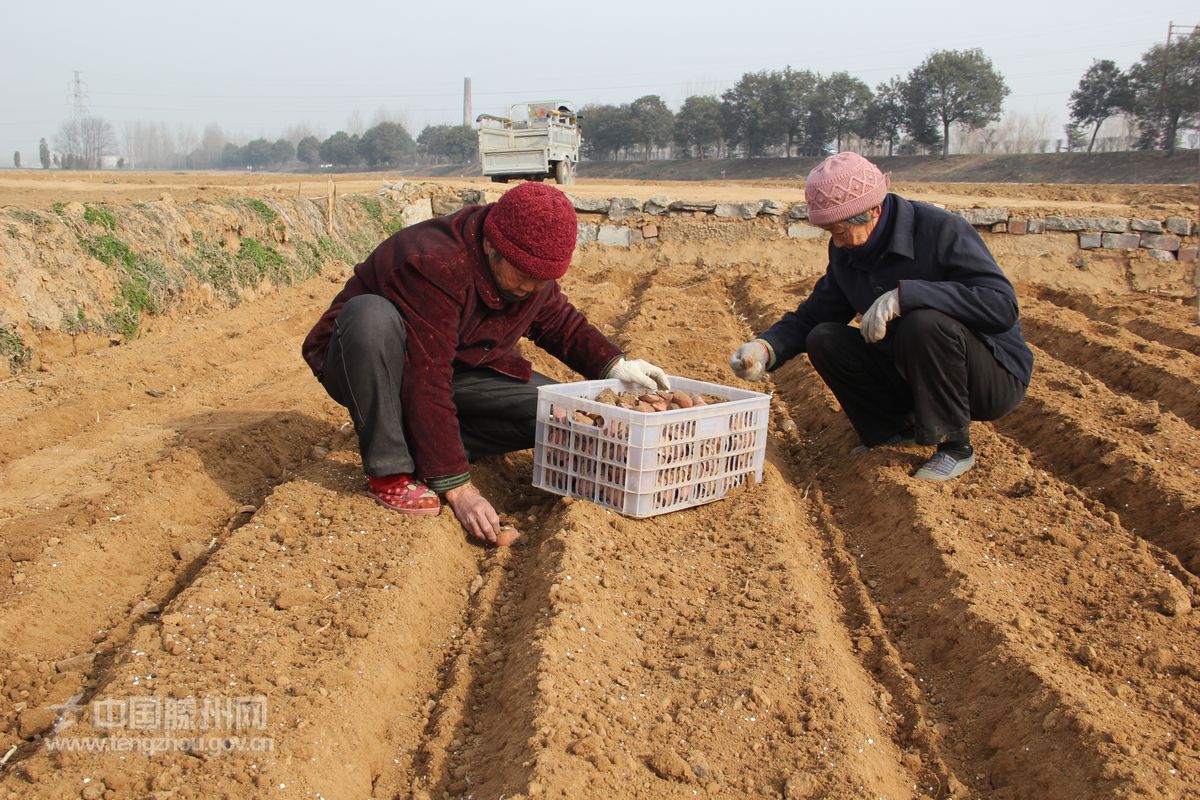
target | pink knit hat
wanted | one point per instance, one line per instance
(533, 226)
(841, 186)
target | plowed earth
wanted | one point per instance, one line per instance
(184, 517)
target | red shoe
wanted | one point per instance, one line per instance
(403, 493)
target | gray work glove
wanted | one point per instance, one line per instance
(749, 362)
(875, 321)
(640, 372)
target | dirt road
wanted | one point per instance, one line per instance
(183, 525)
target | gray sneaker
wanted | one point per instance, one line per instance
(944, 467)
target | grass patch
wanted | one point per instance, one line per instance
(98, 215)
(58, 208)
(311, 262)
(394, 224)
(77, 324)
(361, 245)
(144, 286)
(262, 261)
(25, 215)
(110, 250)
(13, 349)
(264, 211)
(214, 266)
(148, 212)
(253, 263)
(372, 206)
(332, 249)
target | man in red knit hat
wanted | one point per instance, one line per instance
(420, 347)
(939, 343)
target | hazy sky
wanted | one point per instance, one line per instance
(257, 67)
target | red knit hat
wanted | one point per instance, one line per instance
(842, 186)
(533, 226)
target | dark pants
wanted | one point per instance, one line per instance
(364, 368)
(931, 376)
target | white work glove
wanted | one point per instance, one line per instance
(875, 321)
(749, 361)
(640, 372)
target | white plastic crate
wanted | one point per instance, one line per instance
(647, 463)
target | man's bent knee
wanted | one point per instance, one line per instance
(825, 338)
(923, 322)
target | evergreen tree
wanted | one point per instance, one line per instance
(1165, 88)
(1103, 91)
(955, 87)
(698, 123)
(845, 100)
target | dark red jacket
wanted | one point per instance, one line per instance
(437, 274)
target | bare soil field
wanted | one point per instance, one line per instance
(183, 523)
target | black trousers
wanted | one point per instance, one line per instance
(364, 370)
(931, 376)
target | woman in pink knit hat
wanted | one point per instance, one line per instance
(420, 347)
(939, 343)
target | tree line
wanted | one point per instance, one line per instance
(1160, 94)
(83, 143)
(799, 112)
(766, 113)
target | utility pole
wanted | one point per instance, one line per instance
(1183, 30)
(466, 102)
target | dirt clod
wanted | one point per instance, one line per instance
(669, 765)
(291, 598)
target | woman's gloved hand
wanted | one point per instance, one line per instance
(640, 372)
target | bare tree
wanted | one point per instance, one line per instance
(186, 140)
(98, 139)
(212, 144)
(83, 141)
(295, 133)
(1117, 133)
(148, 144)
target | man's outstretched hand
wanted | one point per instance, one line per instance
(474, 512)
(749, 361)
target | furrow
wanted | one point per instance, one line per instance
(979, 586)
(337, 613)
(477, 737)
(1147, 316)
(128, 550)
(182, 364)
(1143, 465)
(755, 683)
(1126, 363)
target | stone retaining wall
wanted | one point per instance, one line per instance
(1168, 239)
